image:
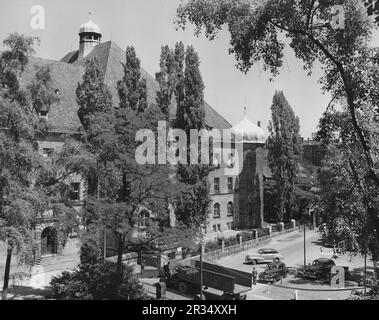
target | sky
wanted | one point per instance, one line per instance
(149, 24)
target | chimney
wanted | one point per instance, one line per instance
(259, 124)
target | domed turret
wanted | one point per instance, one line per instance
(250, 132)
(90, 27)
(90, 36)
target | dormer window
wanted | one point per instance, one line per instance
(43, 113)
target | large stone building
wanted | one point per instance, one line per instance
(63, 121)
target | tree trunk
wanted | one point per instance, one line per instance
(6, 273)
(120, 252)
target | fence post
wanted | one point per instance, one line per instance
(293, 221)
(240, 239)
(269, 231)
(281, 224)
(222, 246)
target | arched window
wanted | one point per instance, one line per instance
(144, 219)
(216, 211)
(230, 209)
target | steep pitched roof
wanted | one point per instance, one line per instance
(67, 73)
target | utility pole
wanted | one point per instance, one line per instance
(105, 243)
(305, 247)
(201, 270)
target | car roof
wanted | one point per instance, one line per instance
(324, 260)
(268, 249)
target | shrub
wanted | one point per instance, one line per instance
(97, 282)
(212, 246)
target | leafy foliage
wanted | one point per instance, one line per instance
(98, 281)
(92, 94)
(132, 88)
(284, 153)
(344, 54)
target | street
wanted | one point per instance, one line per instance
(291, 246)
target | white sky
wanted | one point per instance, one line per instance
(147, 25)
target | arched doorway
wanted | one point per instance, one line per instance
(49, 241)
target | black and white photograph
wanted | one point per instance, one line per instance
(189, 156)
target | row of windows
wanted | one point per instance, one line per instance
(216, 185)
(91, 37)
(217, 227)
(217, 210)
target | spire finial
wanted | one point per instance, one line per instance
(90, 15)
(245, 112)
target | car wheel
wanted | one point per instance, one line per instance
(227, 296)
(276, 259)
(254, 262)
(182, 287)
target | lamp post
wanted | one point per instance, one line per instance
(305, 238)
(201, 263)
(305, 246)
(201, 270)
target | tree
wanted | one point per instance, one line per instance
(126, 189)
(95, 106)
(373, 9)
(25, 177)
(168, 79)
(284, 152)
(132, 87)
(97, 281)
(190, 111)
(315, 33)
(19, 161)
(192, 205)
(343, 205)
(92, 95)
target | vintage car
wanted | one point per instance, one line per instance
(264, 255)
(273, 273)
(368, 280)
(320, 270)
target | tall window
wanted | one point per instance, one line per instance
(217, 185)
(144, 219)
(230, 184)
(75, 191)
(230, 209)
(216, 211)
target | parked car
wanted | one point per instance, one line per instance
(274, 272)
(265, 255)
(370, 279)
(320, 270)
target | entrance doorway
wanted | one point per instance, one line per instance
(49, 241)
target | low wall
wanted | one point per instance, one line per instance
(231, 250)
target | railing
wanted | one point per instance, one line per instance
(288, 226)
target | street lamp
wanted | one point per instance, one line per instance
(305, 242)
(201, 264)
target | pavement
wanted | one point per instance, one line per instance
(39, 275)
(291, 246)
